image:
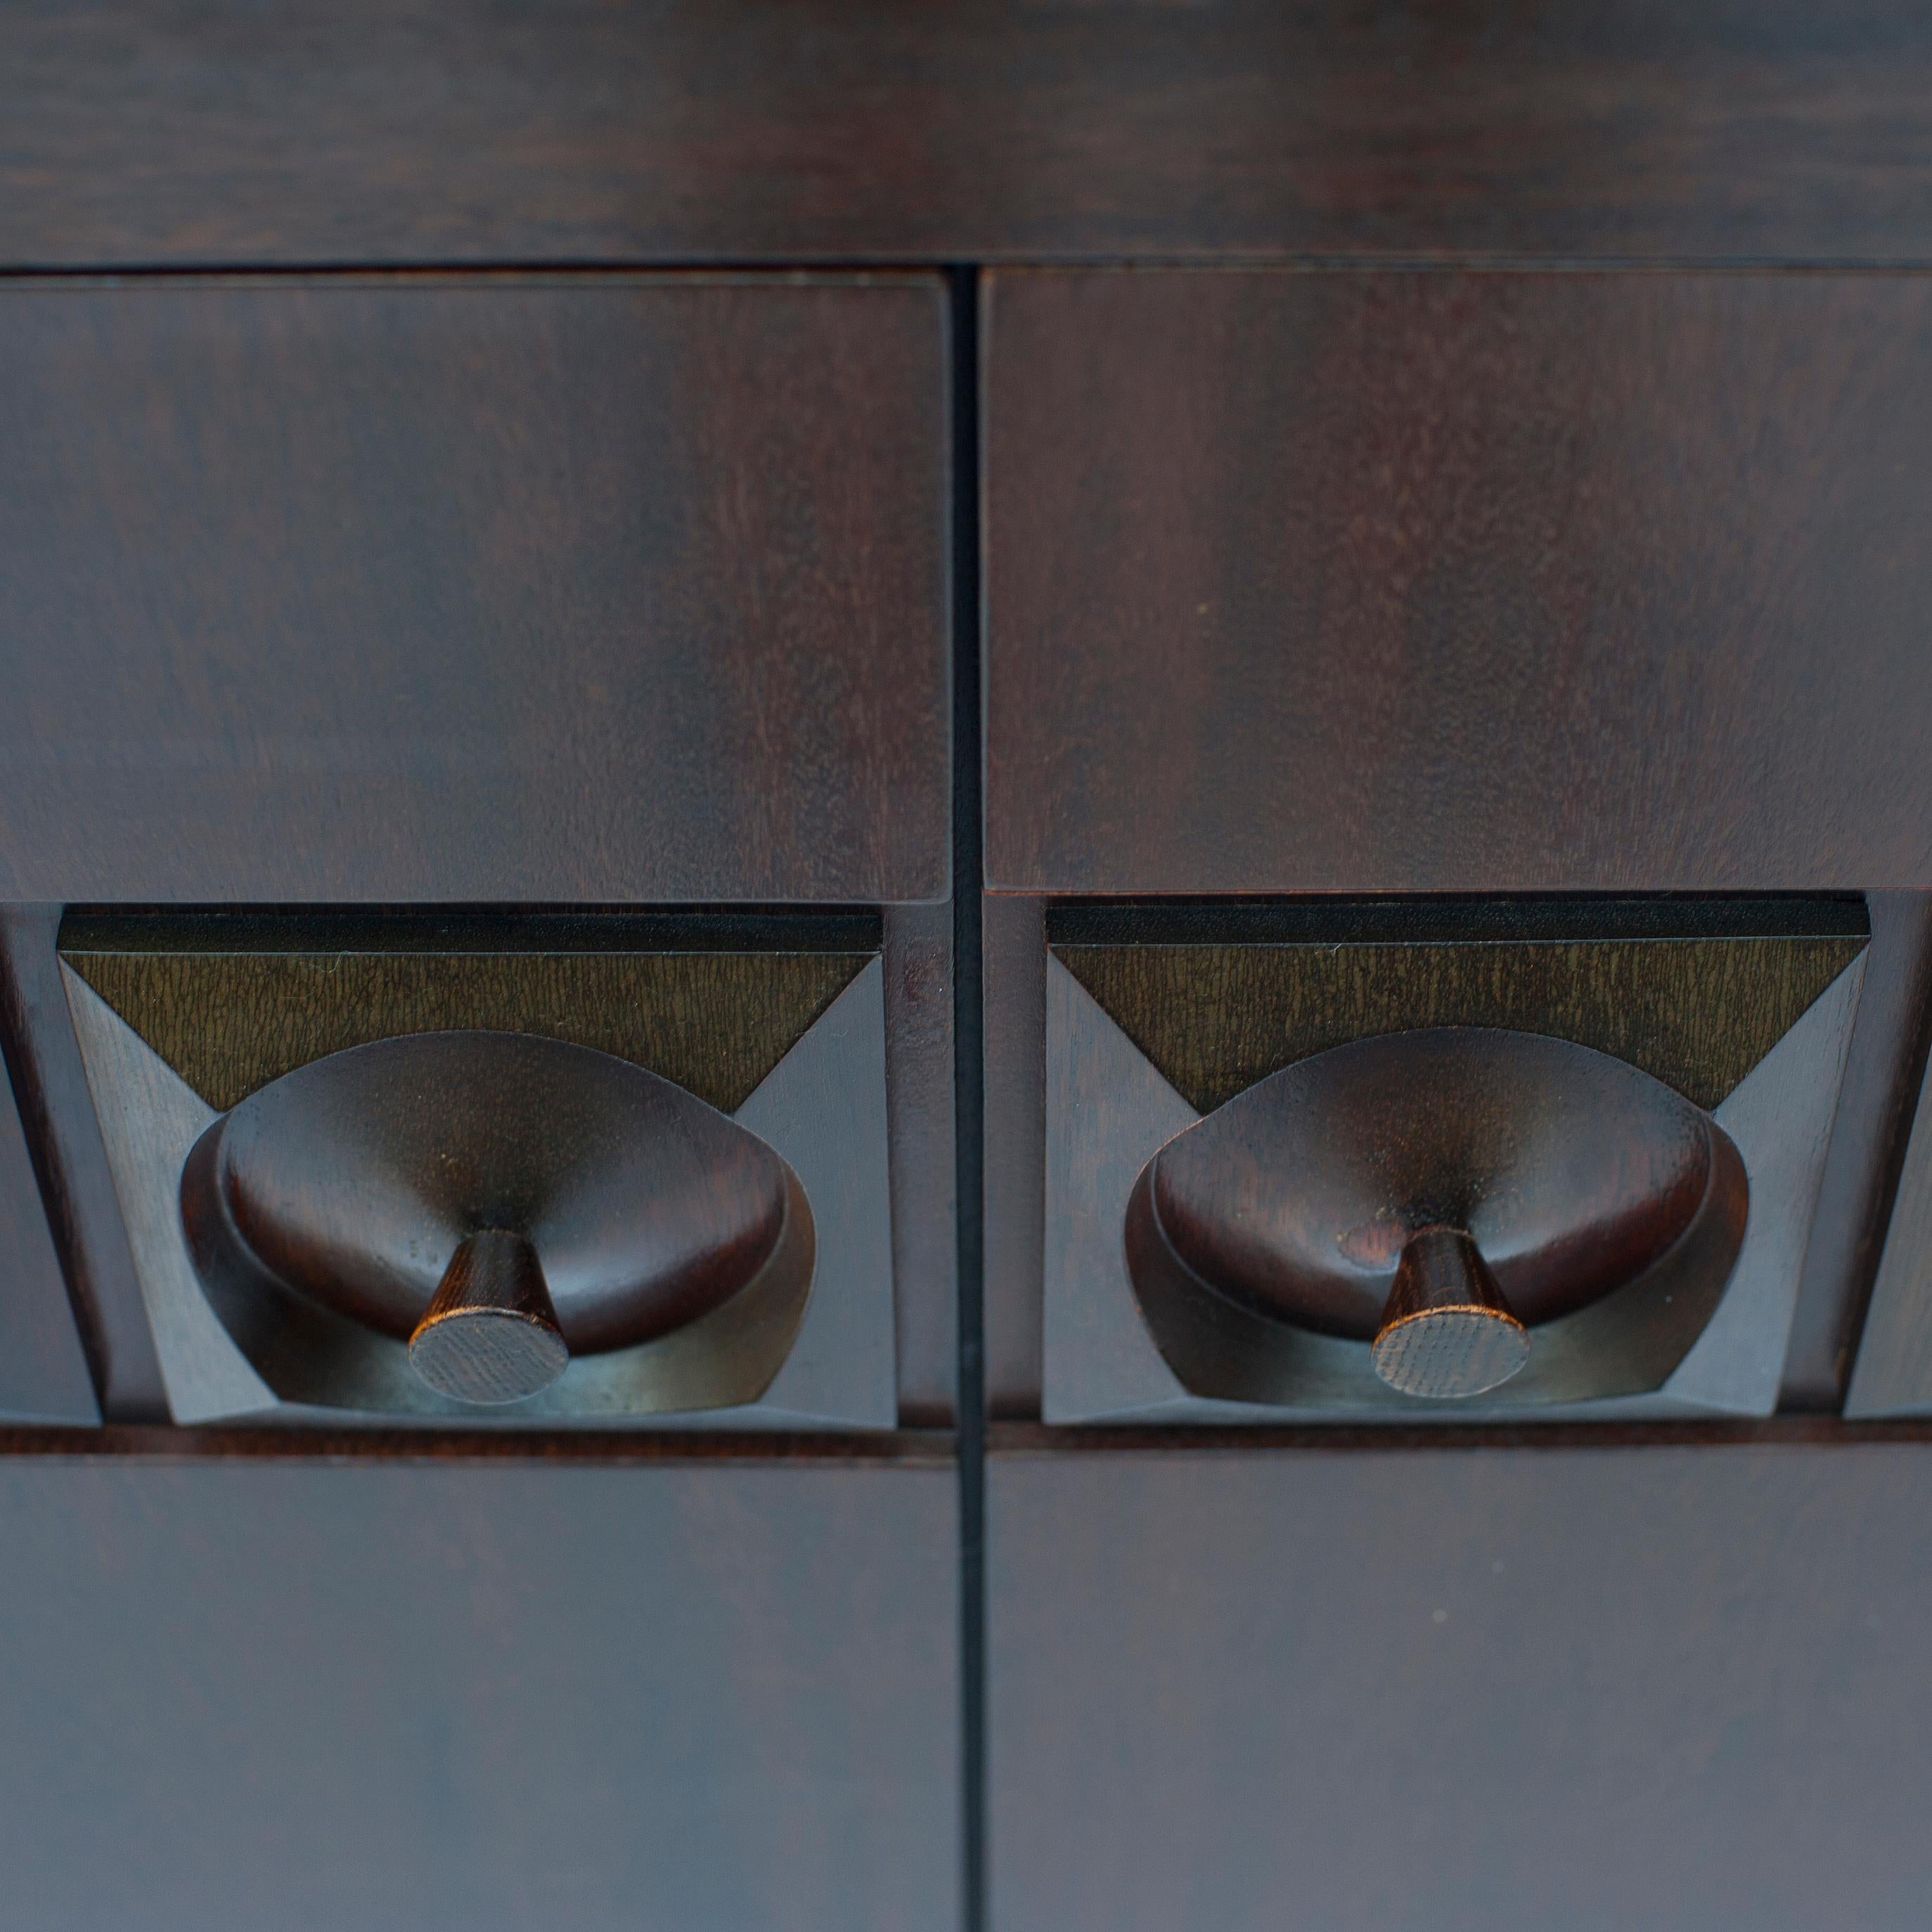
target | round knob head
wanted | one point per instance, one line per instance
(1447, 1330)
(1450, 1352)
(491, 1335)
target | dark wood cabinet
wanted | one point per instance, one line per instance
(964, 968)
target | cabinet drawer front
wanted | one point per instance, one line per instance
(1668, 1686)
(1324, 582)
(278, 1692)
(591, 589)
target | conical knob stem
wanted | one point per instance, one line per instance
(491, 1335)
(1447, 1330)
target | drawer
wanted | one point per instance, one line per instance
(488, 1694)
(1668, 1686)
(604, 588)
(1433, 581)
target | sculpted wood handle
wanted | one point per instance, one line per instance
(483, 1219)
(1435, 1214)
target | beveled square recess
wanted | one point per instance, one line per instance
(390, 1052)
(1158, 1016)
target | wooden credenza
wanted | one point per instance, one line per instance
(954, 593)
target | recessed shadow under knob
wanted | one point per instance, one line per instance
(1446, 1330)
(490, 1334)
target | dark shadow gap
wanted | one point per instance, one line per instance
(967, 872)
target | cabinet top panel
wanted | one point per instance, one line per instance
(347, 131)
(609, 588)
(1384, 580)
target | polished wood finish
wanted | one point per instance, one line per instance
(201, 133)
(723, 1003)
(1428, 583)
(912, 1448)
(43, 1369)
(821, 1110)
(1302, 1195)
(1274, 1245)
(602, 589)
(232, 1001)
(1327, 582)
(483, 1694)
(1695, 994)
(1212, 995)
(330, 1219)
(1605, 1686)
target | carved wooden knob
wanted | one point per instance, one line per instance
(1446, 1329)
(490, 1334)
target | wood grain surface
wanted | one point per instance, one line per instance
(1696, 1010)
(1426, 581)
(822, 1109)
(201, 132)
(1671, 1686)
(232, 1003)
(598, 589)
(332, 1697)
